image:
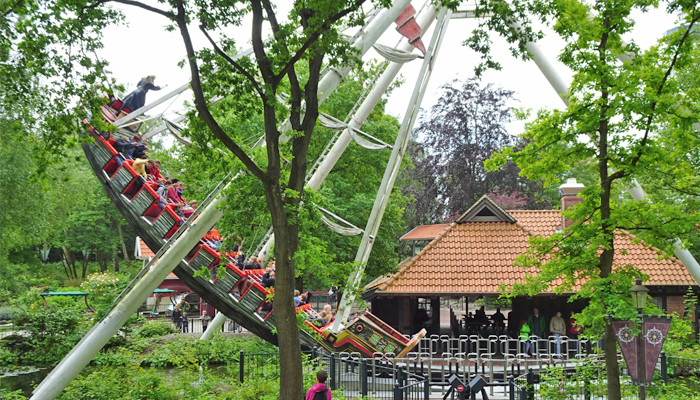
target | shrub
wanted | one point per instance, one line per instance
(7, 357)
(101, 284)
(50, 334)
(16, 395)
(130, 382)
(154, 328)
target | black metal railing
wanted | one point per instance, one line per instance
(257, 364)
(360, 377)
(383, 379)
(681, 369)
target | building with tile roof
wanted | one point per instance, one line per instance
(475, 255)
(171, 282)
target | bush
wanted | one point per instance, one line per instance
(154, 328)
(50, 334)
(493, 302)
(104, 284)
(110, 383)
(16, 395)
(7, 357)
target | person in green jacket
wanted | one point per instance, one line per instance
(183, 306)
(536, 323)
(525, 335)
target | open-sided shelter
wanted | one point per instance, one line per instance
(475, 255)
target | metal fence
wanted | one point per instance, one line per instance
(682, 369)
(379, 378)
(422, 377)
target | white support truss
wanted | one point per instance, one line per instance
(391, 173)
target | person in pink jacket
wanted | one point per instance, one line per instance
(320, 391)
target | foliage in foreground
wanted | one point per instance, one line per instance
(557, 384)
(189, 382)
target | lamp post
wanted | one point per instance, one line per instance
(639, 299)
(639, 295)
(641, 347)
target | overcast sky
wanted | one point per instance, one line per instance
(158, 53)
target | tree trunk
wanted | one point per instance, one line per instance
(101, 259)
(85, 264)
(125, 253)
(69, 259)
(608, 253)
(606, 262)
(286, 243)
(115, 260)
(65, 267)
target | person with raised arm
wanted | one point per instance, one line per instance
(137, 99)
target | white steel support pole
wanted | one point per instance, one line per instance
(214, 326)
(365, 42)
(358, 119)
(80, 356)
(336, 75)
(547, 69)
(636, 190)
(329, 82)
(683, 255)
(425, 19)
(391, 172)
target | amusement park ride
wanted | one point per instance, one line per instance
(238, 294)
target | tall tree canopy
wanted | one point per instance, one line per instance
(632, 119)
(461, 131)
(54, 39)
(324, 257)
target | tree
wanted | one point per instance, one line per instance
(631, 118)
(324, 257)
(93, 231)
(291, 60)
(461, 131)
(36, 209)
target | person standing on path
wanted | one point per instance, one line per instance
(320, 391)
(573, 331)
(524, 335)
(536, 323)
(185, 323)
(205, 320)
(558, 328)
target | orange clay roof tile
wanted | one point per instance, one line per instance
(476, 257)
(424, 232)
(146, 252)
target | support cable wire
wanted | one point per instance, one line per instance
(335, 137)
(347, 230)
(264, 240)
(175, 130)
(391, 172)
(395, 55)
(255, 234)
(329, 122)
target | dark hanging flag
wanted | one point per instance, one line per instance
(655, 331)
(624, 332)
